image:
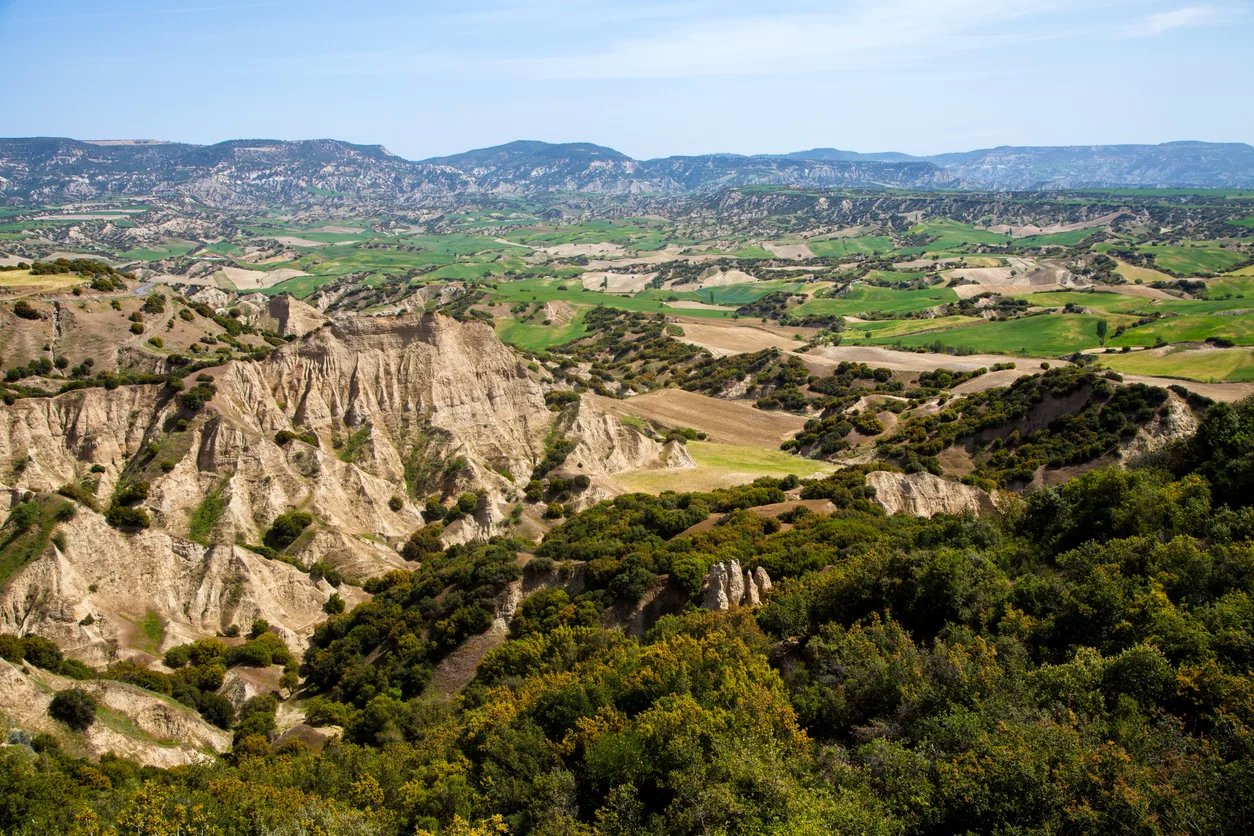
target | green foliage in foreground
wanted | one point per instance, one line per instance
(1079, 664)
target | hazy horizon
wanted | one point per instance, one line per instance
(649, 79)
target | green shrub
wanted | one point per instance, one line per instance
(41, 652)
(424, 543)
(334, 605)
(286, 528)
(74, 707)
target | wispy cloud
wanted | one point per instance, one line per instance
(1162, 22)
(867, 34)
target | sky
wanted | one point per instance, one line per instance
(649, 78)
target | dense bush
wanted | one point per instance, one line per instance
(1094, 418)
(1078, 663)
(286, 528)
(24, 310)
(74, 707)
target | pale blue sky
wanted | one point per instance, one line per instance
(649, 78)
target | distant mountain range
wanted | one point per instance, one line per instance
(249, 173)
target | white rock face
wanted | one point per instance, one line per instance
(117, 579)
(607, 446)
(923, 495)
(412, 393)
(727, 587)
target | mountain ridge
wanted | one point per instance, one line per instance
(254, 172)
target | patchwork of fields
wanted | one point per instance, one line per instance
(910, 286)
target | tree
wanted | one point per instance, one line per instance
(74, 707)
(1102, 325)
(423, 543)
(286, 528)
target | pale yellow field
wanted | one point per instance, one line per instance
(722, 466)
(1131, 272)
(21, 282)
(1208, 365)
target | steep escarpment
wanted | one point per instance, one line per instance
(352, 434)
(925, 495)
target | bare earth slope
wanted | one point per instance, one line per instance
(400, 408)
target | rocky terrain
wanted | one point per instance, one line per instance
(357, 424)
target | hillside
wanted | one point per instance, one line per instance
(362, 426)
(1171, 164)
(1076, 662)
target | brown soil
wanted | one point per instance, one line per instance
(907, 361)
(731, 422)
(723, 339)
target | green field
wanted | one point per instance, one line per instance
(631, 234)
(730, 294)
(557, 290)
(1059, 239)
(1046, 335)
(452, 257)
(1238, 285)
(751, 251)
(1105, 301)
(1229, 365)
(946, 234)
(1237, 327)
(857, 331)
(306, 234)
(842, 247)
(1143, 275)
(891, 276)
(534, 336)
(745, 251)
(862, 299)
(171, 248)
(1193, 259)
(540, 337)
(223, 248)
